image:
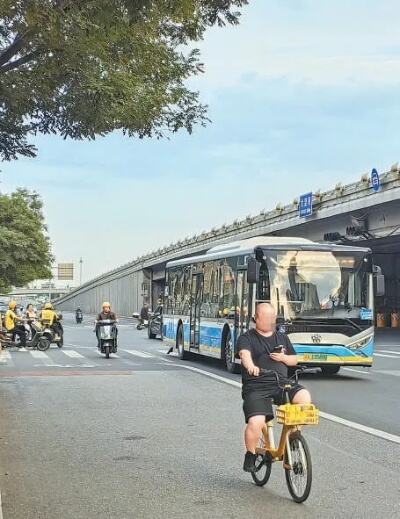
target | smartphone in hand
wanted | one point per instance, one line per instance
(278, 349)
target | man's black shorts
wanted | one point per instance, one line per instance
(257, 400)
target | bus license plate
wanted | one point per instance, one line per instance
(315, 356)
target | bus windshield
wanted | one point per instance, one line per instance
(306, 284)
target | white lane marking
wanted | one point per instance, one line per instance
(75, 366)
(332, 418)
(6, 359)
(358, 371)
(1, 507)
(22, 349)
(213, 375)
(384, 355)
(393, 373)
(172, 354)
(141, 354)
(363, 428)
(388, 351)
(39, 354)
(73, 354)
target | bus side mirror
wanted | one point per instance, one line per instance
(379, 281)
(253, 270)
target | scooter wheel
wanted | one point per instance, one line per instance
(43, 344)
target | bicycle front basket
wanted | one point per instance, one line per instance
(297, 414)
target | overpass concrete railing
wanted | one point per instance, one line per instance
(342, 198)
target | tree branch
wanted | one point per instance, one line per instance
(21, 40)
(18, 43)
(18, 62)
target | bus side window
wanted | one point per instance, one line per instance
(186, 291)
(178, 295)
(215, 289)
(170, 297)
(228, 297)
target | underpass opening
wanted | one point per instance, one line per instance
(386, 254)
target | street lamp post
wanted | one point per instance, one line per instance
(80, 270)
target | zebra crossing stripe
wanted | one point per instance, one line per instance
(39, 354)
(141, 354)
(73, 354)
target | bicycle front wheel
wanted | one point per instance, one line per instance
(299, 476)
(263, 470)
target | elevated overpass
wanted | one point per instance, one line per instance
(347, 213)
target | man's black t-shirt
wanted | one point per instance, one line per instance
(260, 348)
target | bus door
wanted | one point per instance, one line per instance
(196, 296)
(241, 300)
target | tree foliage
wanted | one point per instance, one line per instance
(24, 245)
(82, 68)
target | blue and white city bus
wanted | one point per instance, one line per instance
(323, 294)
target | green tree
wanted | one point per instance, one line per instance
(24, 245)
(81, 68)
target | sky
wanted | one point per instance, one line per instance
(302, 94)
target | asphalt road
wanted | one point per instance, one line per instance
(143, 435)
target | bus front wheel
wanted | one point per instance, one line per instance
(330, 370)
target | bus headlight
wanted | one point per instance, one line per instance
(360, 343)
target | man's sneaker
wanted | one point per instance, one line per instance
(249, 462)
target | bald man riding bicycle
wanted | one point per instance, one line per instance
(264, 347)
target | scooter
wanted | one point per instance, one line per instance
(37, 338)
(52, 336)
(78, 317)
(107, 336)
(143, 323)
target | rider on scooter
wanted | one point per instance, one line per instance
(144, 313)
(48, 314)
(104, 315)
(13, 324)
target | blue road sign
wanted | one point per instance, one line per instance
(375, 180)
(306, 205)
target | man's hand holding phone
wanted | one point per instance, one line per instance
(278, 354)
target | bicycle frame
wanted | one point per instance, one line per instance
(277, 454)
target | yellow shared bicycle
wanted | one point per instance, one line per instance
(292, 449)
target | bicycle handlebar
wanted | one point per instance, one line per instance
(295, 376)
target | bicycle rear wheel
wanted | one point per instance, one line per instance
(299, 477)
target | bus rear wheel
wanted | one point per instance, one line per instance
(182, 354)
(330, 370)
(229, 357)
